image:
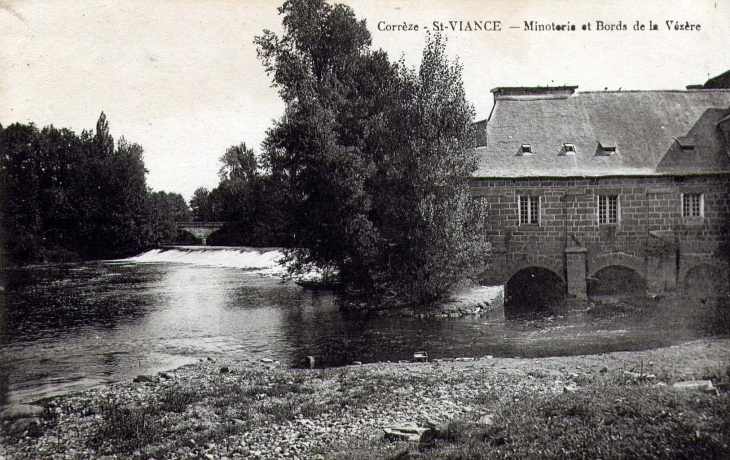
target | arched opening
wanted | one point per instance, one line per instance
(704, 280)
(183, 237)
(616, 283)
(533, 290)
(704, 298)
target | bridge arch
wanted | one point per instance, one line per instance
(704, 275)
(616, 282)
(530, 261)
(617, 259)
(533, 289)
(720, 268)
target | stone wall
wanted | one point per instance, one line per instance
(651, 236)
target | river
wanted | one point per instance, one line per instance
(72, 327)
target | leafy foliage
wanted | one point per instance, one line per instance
(201, 206)
(64, 196)
(374, 157)
(247, 199)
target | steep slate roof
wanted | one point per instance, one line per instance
(647, 128)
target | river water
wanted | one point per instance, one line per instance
(71, 327)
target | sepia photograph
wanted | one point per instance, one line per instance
(352, 229)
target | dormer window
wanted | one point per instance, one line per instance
(568, 149)
(606, 149)
(685, 146)
(526, 149)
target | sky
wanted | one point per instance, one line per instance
(182, 78)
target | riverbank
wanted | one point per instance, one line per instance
(613, 405)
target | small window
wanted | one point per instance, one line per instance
(529, 210)
(569, 148)
(526, 148)
(685, 146)
(692, 205)
(608, 209)
(606, 149)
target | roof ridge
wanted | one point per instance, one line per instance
(686, 91)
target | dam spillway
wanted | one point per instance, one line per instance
(262, 260)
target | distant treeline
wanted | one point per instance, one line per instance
(65, 196)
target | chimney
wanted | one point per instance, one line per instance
(481, 129)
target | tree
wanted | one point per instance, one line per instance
(20, 213)
(425, 210)
(113, 194)
(165, 211)
(201, 207)
(334, 88)
(375, 174)
(236, 195)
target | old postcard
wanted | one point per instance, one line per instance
(364, 229)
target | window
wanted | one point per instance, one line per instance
(692, 205)
(526, 148)
(685, 146)
(529, 210)
(606, 149)
(608, 209)
(569, 148)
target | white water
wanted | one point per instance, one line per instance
(264, 261)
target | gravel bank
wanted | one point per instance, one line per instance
(242, 409)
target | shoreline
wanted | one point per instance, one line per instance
(245, 409)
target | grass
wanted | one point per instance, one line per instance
(606, 420)
(161, 422)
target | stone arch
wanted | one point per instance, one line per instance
(533, 289)
(703, 274)
(687, 266)
(529, 261)
(616, 282)
(618, 259)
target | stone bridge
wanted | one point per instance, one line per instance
(200, 230)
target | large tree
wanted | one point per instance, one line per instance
(423, 205)
(375, 158)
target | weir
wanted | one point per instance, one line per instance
(261, 260)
